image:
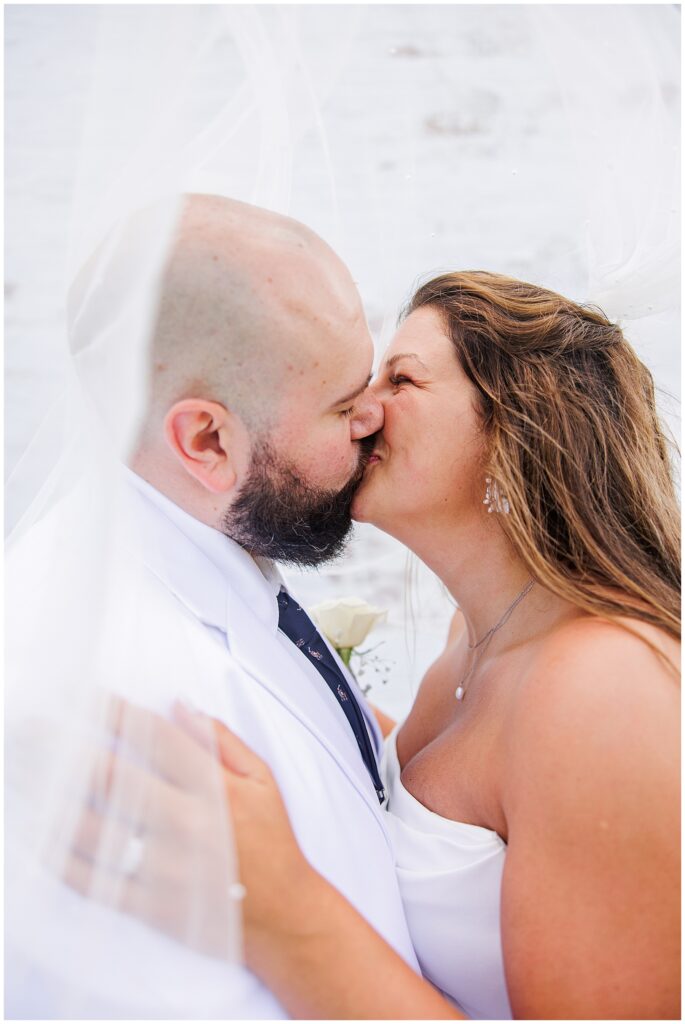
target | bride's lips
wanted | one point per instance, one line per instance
(373, 458)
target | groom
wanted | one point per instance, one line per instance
(258, 426)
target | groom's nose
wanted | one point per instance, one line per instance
(367, 417)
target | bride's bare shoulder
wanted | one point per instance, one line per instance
(595, 644)
(596, 714)
(591, 668)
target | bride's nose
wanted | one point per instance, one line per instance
(368, 416)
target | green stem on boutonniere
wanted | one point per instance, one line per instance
(345, 653)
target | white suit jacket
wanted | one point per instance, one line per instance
(197, 619)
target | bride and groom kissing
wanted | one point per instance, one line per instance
(489, 856)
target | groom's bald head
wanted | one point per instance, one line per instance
(248, 298)
(258, 367)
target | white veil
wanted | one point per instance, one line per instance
(180, 100)
(257, 103)
(623, 116)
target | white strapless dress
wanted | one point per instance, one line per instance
(450, 877)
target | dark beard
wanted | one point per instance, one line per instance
(278, 515)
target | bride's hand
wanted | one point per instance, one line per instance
(278, 880)
(184, 833)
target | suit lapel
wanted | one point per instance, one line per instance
(281, 672)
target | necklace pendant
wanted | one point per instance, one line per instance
(459, 693)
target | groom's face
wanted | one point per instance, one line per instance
(294, 504)
(279, 515)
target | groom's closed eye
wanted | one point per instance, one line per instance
(351, 397)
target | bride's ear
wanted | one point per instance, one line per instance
(210, 442)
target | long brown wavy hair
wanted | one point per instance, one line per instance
(574, 443)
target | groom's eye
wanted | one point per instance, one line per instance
(347, 412)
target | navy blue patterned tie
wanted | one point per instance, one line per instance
(298, 627)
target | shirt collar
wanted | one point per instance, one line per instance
(201, 564)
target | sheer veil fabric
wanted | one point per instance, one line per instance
(244, 101)
(82, 620)
(626, 140)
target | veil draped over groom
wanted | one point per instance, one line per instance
(224, 100)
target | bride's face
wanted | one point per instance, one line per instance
(427, 463)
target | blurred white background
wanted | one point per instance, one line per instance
(441, 141)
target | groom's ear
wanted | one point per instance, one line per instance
(210, 442)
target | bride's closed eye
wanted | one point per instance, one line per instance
(396, 379)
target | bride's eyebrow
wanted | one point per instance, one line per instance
(406, 355)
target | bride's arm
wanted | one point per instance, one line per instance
(590, 893)
(328, 963)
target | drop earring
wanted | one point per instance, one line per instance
(495, 501)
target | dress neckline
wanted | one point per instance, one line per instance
(440, 824)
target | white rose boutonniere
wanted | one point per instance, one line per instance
(346, 622)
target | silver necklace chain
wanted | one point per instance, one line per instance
(461, 689)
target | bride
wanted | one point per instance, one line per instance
(533, 794)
